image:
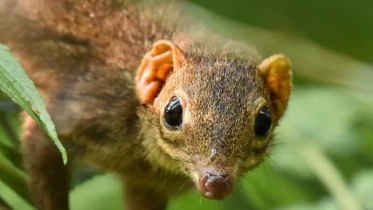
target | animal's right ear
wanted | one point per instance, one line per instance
(155, 67)
(277, 75)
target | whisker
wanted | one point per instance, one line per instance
(247, 180)
(221, 205)
(183, 185)
(266, 170)
(164, 183)
(188, 154)
(258, 172)
(273, 162)
(285, 153)
(278, 143)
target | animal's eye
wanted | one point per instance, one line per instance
(173, 113)
(263, 122)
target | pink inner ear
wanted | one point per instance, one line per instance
(148, 92)
(154, 70)
(164, 71)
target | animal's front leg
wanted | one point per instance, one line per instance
(48, 176)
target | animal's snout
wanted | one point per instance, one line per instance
(215, 186)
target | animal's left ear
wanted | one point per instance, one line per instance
(277, 76)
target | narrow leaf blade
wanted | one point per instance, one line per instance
(15, 82)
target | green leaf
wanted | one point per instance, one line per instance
(266, 187)
(323, 204)
(362, 184)
(12, 199)
(15, 83)
(14, 179)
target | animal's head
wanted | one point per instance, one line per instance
(213, 112)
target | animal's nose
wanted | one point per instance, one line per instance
(215, 186)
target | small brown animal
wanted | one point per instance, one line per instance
(142, 91)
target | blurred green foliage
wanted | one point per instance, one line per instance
(343, 26)
(322, 157)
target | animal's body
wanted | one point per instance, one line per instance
(135, 91)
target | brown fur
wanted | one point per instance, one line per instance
(83, 56)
